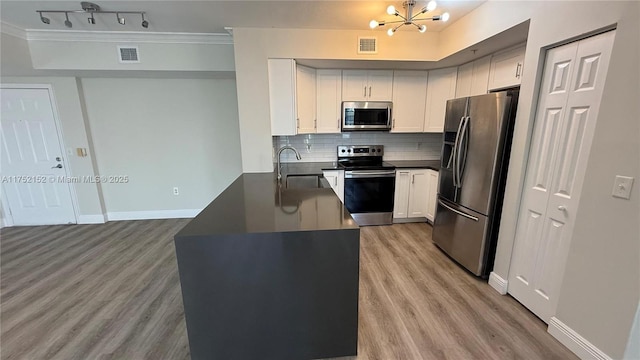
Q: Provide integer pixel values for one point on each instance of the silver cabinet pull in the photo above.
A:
(369, 91)
(518, 70)
(413, 178)
(59, 166)
(365, 91)
(562, 208)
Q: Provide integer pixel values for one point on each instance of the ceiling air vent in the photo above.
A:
(367, 45)
(128, 54)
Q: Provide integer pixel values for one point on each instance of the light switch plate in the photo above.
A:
(622, 187)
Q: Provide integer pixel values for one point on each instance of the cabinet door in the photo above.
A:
(336, 180)
(409, 101)
(380, 85)
(463, 82)
(282, 95)
(401, 197)
(432, 196)
(328, 100)
(480, 77)
(418, 193)
(306, 99)
(506, 69)
(441, 87)
(354, 85)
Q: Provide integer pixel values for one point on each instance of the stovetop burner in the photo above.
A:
(362, 157)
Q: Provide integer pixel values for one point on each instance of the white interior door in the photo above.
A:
(565, 121)
(32, 161)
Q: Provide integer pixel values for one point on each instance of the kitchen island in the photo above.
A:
(269, 272)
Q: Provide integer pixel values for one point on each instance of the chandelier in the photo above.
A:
(409, 18)
(91, 9)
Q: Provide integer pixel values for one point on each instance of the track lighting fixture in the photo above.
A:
(409, 18)
(91, 9)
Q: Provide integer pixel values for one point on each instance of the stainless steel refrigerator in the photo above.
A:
(475, 153)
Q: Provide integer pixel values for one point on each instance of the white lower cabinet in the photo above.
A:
(432, 196)
(336, 180)
(414, 195)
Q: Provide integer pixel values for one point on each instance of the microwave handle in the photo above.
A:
(388, 117)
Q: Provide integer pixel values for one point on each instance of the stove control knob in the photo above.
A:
(349, 150)
(342, 150)
(379, 150)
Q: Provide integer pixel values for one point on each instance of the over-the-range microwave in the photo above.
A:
(366, 115)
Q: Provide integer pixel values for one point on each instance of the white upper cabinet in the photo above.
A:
(306, 99)
(506, 68)
(441, 87)
(409, 101)
(367, 85)
(463, 82)
(282, 96)
(473, 78)
(328, 100)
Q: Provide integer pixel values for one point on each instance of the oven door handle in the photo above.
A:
(368, 174)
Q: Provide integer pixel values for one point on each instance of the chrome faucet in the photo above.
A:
(280, 152)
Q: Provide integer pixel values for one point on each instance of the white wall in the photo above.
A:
(103, 55)
(163, 133)
(15, 58)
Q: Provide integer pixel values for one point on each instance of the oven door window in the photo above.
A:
(369, 195)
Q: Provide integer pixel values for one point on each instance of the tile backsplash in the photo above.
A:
(322, 147)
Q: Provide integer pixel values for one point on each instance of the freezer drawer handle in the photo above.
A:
(458, 212)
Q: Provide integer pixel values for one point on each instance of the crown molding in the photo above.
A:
(12, 30)
(118, 36)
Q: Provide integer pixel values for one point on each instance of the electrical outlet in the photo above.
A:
(175, 191)
(622, 187)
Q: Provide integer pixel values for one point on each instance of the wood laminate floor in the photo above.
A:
(112, 291)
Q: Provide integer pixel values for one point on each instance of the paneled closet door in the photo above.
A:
(568, 105)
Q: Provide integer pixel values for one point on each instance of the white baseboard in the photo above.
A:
(91, 219)
(155, 214)
(498, 283)
(574, 341)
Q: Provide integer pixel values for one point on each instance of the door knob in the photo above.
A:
(562, 208)
(59, 166)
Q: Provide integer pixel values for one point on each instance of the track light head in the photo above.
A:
(44, 19)
(121, 20)
(145, 23)
(67, 23)
(91, 20)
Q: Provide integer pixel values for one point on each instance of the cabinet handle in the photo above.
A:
(365, 91)
(315, 124)
(518, 70)
(335, 181)
(298, 123)
(413, 178)
(369, 91)
(393, 123)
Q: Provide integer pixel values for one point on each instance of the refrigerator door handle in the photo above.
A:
(458, 211)
(455, 152)
(462, 151)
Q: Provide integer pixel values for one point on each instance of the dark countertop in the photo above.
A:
(415, 164)
(254, 203)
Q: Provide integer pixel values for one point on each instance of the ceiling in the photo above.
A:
(213, 16)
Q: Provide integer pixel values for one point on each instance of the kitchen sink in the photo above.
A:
(303, 181)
